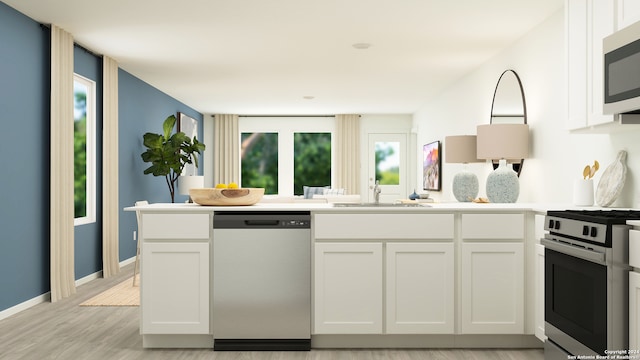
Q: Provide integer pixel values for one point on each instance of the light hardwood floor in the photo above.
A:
(64, 330)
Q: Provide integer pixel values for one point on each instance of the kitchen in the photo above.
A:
(557, 155)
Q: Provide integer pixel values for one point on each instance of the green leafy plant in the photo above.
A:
(169, 153)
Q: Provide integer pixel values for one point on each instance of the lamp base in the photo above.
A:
(503, 185)
(465, 186)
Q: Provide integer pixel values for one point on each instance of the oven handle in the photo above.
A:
(592, 256)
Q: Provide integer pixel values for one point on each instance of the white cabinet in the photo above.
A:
(420, 288)
(175, 273)
(492, 289)
(348, 288)
(634, 310)
(539, 293)
(587, 23)
(628, 12)
(175, 288)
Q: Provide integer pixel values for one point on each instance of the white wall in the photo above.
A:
(557, 156)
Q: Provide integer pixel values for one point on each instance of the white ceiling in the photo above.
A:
(265, 56)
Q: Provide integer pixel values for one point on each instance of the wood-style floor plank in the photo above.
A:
(64, 330)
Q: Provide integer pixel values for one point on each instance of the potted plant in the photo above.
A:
(169, 153)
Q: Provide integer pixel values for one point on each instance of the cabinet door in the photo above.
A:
(348, 288)
(175, 288)
(634, 310)
(628, 12)
(601, 19)
(420, 288)
(492, 291)
(539, 293)
(576, 42)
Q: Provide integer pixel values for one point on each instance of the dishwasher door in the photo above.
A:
(261, 280)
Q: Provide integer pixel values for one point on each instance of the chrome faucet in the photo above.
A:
(376, 192)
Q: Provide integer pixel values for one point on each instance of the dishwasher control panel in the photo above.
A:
(261, 220)
(296, 223)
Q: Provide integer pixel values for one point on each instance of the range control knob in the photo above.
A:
(557, 226)
(585, 230)
(551, 223)
(594, 231)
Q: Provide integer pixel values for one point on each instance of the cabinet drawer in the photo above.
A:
(634, 248)
(492, 226)
(175, 226)
(383, 226)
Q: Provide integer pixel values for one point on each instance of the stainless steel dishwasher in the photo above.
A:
(261, 280)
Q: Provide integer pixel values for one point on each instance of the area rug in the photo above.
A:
(123, 294)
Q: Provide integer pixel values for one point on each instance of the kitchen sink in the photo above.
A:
(376, 205)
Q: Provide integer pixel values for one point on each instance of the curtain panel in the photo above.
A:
(62, 161)
(110, 204)
(348, 152)
(226, 151)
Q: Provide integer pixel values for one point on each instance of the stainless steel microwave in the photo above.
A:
(622, 71)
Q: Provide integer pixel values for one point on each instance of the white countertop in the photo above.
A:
(312, 206)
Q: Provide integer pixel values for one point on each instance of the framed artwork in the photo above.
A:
(431, 165)
(189, 126)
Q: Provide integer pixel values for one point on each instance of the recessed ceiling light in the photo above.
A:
(361, 46)
(308, 97)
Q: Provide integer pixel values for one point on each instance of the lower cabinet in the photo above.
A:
(539, 293)
(420, 288)
(634, 310)
(348, 288)
(492, 288)
(175, 287)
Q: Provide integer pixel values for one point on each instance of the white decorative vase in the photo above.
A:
(465, 186)
(583, 192)
(502, 184)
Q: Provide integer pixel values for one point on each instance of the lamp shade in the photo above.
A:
(460, 149)
(189, 182)
(503, 141)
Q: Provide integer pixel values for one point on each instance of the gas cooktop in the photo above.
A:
(607, 217)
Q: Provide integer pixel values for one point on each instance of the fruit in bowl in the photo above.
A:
(226, 195)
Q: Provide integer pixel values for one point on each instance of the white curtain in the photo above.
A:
(62, 158)
(348, 152)
(110, 205)
(226, 153)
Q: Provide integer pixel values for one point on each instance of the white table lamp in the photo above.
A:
(461, 149)
(506, 143)
(185, 183)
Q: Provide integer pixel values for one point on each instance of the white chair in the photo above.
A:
(138, 218)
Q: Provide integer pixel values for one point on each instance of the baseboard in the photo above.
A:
(25, 305)
(47, 296)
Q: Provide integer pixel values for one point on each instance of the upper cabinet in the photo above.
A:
(587, 23)
(628, 12)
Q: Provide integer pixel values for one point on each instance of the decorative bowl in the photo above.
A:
(226, 197)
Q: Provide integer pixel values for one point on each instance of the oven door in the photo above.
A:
(576, 301)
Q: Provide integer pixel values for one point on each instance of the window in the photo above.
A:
(259, 161)
(84, 116)
(298, 147)
(311, 160)
(388, 163)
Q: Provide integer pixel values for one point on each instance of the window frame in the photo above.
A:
(285, 127)
(90, 213)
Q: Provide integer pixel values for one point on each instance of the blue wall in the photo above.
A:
(24, 185)
(142, 108)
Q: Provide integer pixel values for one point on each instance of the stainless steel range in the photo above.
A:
(586, 282)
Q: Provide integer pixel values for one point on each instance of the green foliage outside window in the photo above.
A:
(80, 151)
(387, 168)
(259, 161)
(312, 160)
